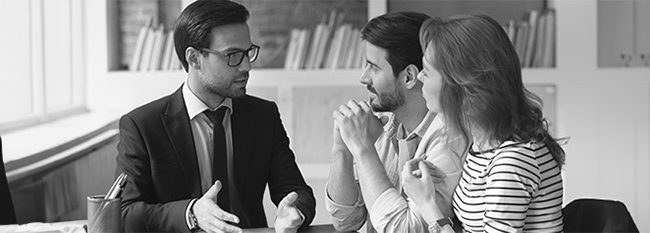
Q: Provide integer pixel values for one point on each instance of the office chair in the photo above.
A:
(7, 214)
(597, 215)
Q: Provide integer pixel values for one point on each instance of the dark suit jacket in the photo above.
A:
(156, 150)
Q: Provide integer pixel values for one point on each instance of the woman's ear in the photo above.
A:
(411, 76)
(192, 56)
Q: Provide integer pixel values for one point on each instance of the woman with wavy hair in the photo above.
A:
(511, 179)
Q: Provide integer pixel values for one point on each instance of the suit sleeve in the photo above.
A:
(141, 211)
(285, 175)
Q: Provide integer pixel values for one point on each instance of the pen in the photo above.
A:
(114, 192)
(117, 187)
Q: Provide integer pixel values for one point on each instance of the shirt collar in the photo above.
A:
(398, 129)
(195, 106)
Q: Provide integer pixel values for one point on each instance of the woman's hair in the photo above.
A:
(482, 87)
(194, 25)
(397, 33)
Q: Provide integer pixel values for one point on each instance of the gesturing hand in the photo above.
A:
(421, 189)
(436, 174)
(210, 216)
(288, 218)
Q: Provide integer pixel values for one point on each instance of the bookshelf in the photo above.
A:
(604, 110)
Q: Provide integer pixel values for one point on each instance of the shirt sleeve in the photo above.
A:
(448, 156)
(392, 213)
(345, 217)
(512, 180)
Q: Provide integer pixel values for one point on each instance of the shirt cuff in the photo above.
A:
(302, 217)
(337, 209)
(188, 220)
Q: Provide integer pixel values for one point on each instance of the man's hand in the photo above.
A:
(288, 218)
(210, 216)
(357, 124)
(338, 146)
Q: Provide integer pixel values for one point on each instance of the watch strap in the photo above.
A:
(445, 221)
(437, 226)
(194, 223)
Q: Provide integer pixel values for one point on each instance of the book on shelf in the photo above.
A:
(331, 44)
(520, 40)
(301, 53)
(534, 38)
(154, 50)
(294, 38)
(158, 46)
(538, 55)
(352, 49)
(549, 41)
(529, 52)
(511, 30)
(147, 50)
(137, 52)
(319, 34)
(165, 62)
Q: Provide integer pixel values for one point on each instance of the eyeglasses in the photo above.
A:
(235, 58)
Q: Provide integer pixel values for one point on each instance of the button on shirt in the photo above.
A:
(202, 132)
(393, 211)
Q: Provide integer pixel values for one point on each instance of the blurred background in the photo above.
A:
(71, 68)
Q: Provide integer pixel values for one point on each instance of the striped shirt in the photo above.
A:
(513, 188)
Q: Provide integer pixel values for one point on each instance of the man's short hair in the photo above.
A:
(398, 34)
(194, 25)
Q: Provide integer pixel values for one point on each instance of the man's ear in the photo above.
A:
(411, 76)
(192, 56)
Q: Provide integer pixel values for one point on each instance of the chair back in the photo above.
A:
(7, 213)
(597, 215)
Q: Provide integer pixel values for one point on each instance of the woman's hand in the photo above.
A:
(419, 183)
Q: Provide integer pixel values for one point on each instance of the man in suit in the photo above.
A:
(187, 173)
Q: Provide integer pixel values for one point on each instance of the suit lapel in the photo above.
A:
(242, 132)
(179, 130)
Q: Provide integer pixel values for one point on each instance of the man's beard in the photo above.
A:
(388, 101)
(228, 91)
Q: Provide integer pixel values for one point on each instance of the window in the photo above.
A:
(42, 61)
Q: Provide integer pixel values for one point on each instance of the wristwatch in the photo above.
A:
(194, 224)
(439, 224)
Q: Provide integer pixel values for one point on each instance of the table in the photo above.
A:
(326, 228)
(78, 227)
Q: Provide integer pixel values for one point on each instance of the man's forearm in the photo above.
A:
(341, 185)
(162, 217)
(372, 175)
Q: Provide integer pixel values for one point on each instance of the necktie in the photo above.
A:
(220, 159)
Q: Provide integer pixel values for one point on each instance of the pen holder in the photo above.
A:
(104, 215)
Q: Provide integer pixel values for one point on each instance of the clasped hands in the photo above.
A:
(356, 127)
(211, 218)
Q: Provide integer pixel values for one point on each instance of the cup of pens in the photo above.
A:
(104, 214)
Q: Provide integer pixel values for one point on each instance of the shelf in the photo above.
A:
(278, 77)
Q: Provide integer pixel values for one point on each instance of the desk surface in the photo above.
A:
(77, 227)
(312, 229)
